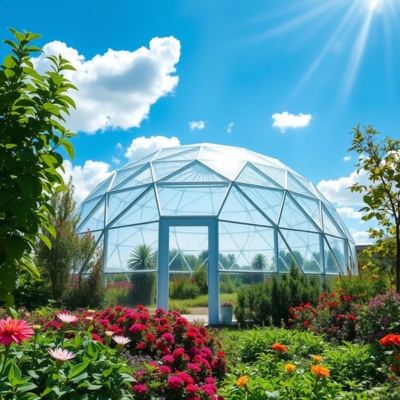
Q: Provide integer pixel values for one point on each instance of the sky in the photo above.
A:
(285, 78)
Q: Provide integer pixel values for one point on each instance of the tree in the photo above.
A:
(69, 253)
(32, 110)
(259, 263)
(142, 258)
(381, 162)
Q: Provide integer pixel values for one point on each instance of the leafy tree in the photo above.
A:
(259, 263)
(381, 162)
(32, 110)
(69, 253)
(142, 258)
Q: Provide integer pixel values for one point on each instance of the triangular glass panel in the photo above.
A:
(238, 209)
(181, 155)
(142, 177)
(285, 257)
(278, 175)
(177, 262)
(253, 176)
(123, 174)
(267, 200)
(222, 163)
(196, 172)
(228, 151)
(241, 243)
(295, 186)
(139, 162)
(101, 189)
(306, 183)
(144, 210)
(120, 201)
(305, 247)
(311, 207)
(333, 213)
(184, 199)
(338, 248)
(294, 218)
(85, 209)
(95, 220)
(330, 225)
(260, 159)
(331, 265)
(121, 242)
(165, 168)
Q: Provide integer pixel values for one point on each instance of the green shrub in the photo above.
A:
(182, 288)
(226, 284)
(271, 300)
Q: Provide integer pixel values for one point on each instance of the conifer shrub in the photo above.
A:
(268, 303)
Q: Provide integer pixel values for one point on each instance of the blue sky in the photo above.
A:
(285, 78)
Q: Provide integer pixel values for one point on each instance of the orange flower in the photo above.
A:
(14, 331)
(316, 359)
(320, 371)
(392, 377)
(390, 339)
(394, 368)
(279, 347)
(242, 381)
(289, 368)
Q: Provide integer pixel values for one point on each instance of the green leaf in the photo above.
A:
(78, 369)
(9, 61)
(14, 374)
(45, 240)
(26, 387)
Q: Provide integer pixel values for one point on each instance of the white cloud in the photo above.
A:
(336, 190)
(347, 158)
(86, 178)
(361, 237)
(229, 128)
(116, 160)
(119, 146)
(117, 88)
(286, 120)
(349, 212)
(197, 125)
(143, 146)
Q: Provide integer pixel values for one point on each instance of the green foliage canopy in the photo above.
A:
(32, 110)
(381, 162)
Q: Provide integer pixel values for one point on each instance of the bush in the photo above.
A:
(270, 301)
(118, 293)
(183, 288)
(380, 317)
(85, 293)
(143, 288)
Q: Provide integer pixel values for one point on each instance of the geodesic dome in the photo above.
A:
(261, 206)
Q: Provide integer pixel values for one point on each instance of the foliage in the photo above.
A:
(259, 263)
(380, 260)
(381, 162)
(32, 292)
(182, 287)
(270, 301)
(118, 293)
(85, 293)
(142, 258)
(32, 110)
(69, 252)
(95, 371)
(380, 317)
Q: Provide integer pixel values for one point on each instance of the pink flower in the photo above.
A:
(140, 388)
(14, 331)
(164, 369)
(192, 388)
(168, 338)
(194, 367)
(209, 389)
(174, 382)
(121, 340)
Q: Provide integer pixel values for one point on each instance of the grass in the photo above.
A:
(184, 306)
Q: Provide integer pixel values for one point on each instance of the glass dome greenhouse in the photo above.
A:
(233, 212)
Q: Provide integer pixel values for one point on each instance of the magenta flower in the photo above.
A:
(140, 388)
(14, 331)
(175, 382)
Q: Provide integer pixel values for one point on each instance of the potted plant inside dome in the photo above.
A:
(226, 312)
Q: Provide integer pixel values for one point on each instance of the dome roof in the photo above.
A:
(231, 184)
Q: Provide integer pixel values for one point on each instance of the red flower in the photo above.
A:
(279, 347)
(140, 388)
(97, 338)
(351, 317)
(390, 339)
(175, 382)
(14, 331)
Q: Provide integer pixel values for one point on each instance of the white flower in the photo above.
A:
(66, 318)
(121, 340)
(61, 354)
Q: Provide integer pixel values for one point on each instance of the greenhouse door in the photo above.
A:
(185, 246)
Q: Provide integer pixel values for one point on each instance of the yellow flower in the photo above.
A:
(36, 327)
(320, 371)
(316, 359)
(242, 381)
(289, 368)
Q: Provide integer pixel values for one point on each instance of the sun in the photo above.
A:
(373, 4)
